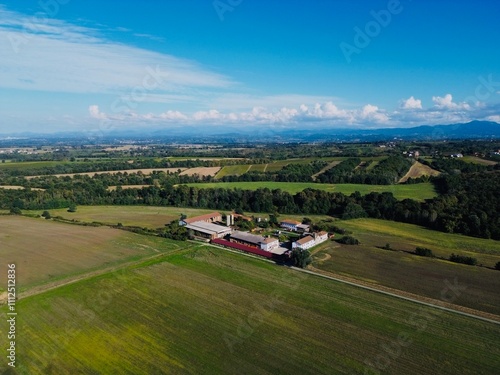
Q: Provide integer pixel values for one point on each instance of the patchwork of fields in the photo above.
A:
(204, 310)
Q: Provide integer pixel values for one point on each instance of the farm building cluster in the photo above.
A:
(212, 227)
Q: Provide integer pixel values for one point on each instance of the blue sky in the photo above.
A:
(77, 65)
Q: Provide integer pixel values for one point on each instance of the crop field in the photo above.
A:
(418, 170)
(205, 310)
(477, 160)
(258, 167)
(31, 164)
(419, 275)
(202, 171)
(233, 170)
(141, 216)
(416, 191)
(46, 251)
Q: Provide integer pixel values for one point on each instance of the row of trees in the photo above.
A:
(468, 204)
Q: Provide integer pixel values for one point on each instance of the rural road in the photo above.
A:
(398, 296)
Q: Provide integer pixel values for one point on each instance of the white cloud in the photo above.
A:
(96, 113)
(45, 54)
(446, 102)
(495, 118)
(411, 103)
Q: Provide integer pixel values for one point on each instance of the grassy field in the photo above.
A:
(233, 170)
(141, 216)
(418, 170)
(416, 191)
(258, 168)
(204, 310)
(476, 160)
(32, 164)
(45, 251)
(423, 276)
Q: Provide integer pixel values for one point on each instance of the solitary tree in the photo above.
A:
(46, 214)
(301, 258)
(72, 207)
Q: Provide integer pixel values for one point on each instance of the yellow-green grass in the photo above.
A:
(45, 251)
(402, 270)
(418, 170)
(441, 243)
(414, 191)
(233, 170)
(32, 164)
(258, 167)
(141, 216)
(372, 165)
(477, 160)
(212, 312)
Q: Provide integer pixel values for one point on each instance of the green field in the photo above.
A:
(32, 164)
(46, 251)
(477, 160)
(233, 170)
(204, 310)
(258, 167)
(416, 191)
(407, 272)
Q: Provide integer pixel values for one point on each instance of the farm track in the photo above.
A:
(396, 293)
(438, 304)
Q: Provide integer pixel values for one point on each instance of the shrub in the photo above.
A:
(497, 266)
(463, 259)
(424, 252)
(15, 211)
(348, 240)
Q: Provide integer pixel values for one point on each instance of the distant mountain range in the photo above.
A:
(266, 134)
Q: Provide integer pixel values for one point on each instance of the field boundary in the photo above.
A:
(421, 300)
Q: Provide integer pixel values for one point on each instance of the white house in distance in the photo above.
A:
(309, 241)
(289, 224)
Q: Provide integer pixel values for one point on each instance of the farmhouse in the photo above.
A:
(252, 240)
(208, 230)
(289, 224)
(213, 217)
(309, 241)
(304, 243)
